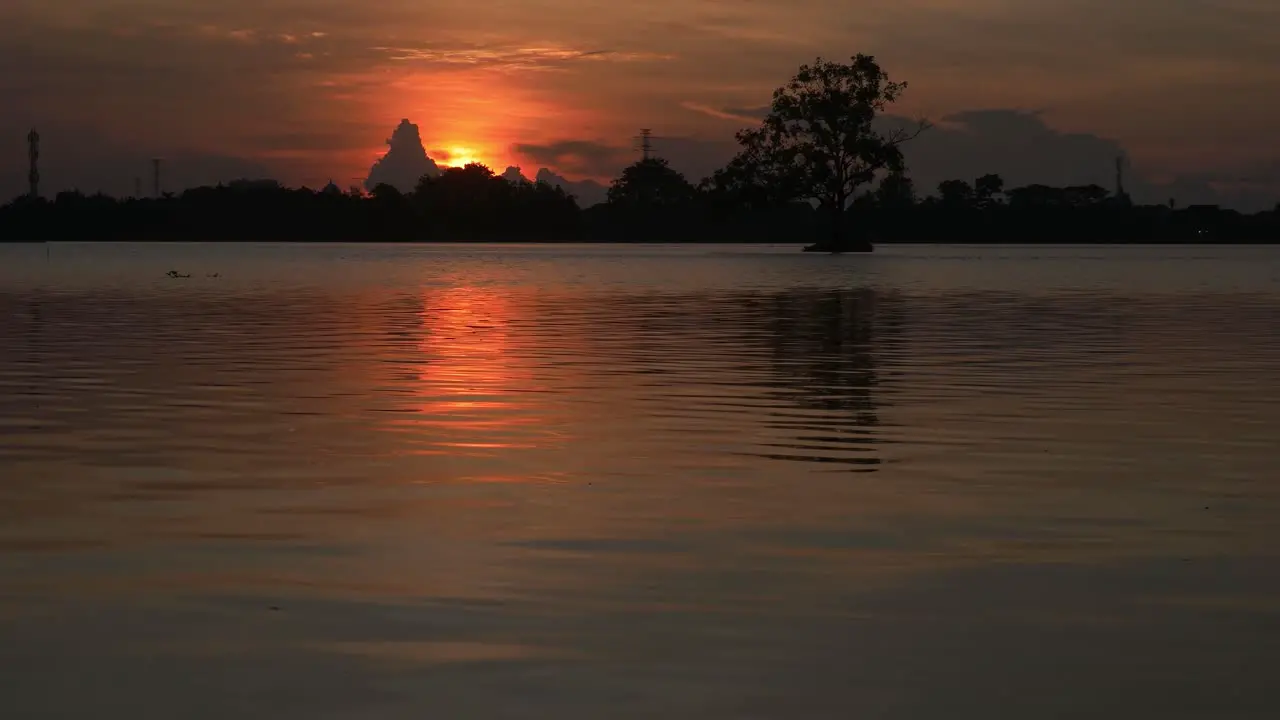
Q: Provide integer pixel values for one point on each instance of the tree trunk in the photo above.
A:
(841, 240)
(837, 242)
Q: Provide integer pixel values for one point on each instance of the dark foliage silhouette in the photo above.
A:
(824, 159)
(651, 184)
(651, 202)
(987, 190)
(649, 205)
(468, 203)
(472, 203)
(820, 142)
(982, 211)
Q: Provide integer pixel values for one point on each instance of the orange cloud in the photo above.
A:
(512, 58)
(744, 116)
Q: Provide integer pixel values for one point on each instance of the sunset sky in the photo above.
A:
(308, 90)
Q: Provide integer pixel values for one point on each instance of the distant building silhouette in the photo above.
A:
(405, 163)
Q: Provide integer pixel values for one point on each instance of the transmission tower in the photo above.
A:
(644, 142)
(33, 150)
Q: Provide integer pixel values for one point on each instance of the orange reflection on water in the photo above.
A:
(473, 390)
(549, 478)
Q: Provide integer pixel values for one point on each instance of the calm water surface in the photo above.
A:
(639, 482)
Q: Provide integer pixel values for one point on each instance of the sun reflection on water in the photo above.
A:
(472, 390)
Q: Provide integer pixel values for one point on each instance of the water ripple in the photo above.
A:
(664, 460)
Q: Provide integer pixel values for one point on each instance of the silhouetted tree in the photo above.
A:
(650, 200)
(472, 202)
(1035, 196)
(651, 183)
(1086, 195)
(825, 345)
(896, 191)
(384, 193)
(818, 142)
(955, 194)
(750, 180)
(987, 189)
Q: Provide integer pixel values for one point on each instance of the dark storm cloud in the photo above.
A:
(696, 158)
(1023, 149)
(576, 157)
(1018, 145)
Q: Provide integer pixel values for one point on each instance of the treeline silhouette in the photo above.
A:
(816, 169)
(460, 204)
(983, 211)
(649, 202)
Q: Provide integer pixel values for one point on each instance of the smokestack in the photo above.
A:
(155, 166)
(33, 150)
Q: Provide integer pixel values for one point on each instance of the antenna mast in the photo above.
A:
(644, 143)
(33, 151)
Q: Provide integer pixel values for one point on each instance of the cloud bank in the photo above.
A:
(405, 163)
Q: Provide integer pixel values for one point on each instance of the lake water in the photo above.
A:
(639, 482)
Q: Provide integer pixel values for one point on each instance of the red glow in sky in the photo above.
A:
(308, 90)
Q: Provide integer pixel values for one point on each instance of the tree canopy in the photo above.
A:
(820, 140)
(651, 183)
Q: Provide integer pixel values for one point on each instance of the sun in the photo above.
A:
(460, 155)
